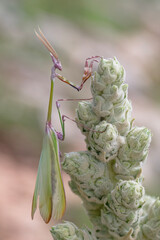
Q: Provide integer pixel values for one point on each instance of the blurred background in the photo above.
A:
(126, 29)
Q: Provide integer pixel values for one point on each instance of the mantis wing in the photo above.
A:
(59, 200)
(49, 185)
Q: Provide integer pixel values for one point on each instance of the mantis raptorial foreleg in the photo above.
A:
(57, 64)
(86, 75)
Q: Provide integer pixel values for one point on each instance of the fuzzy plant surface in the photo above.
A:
(107, 176)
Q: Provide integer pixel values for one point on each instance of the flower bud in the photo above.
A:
(63, 231)
(86, 118)
(111, 70)
(90, 177)
(69, 231)
(150, 226)
(137, 144)
(109, 74)
(104, 141)
(121, 210)
(132, 153)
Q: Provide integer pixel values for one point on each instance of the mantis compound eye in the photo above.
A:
(56, 62)
(58, 65)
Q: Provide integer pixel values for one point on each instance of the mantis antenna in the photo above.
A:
(44, 40)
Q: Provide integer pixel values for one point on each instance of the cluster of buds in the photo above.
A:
(107, 177)
(109, 92)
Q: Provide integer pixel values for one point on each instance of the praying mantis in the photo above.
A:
(49, 185)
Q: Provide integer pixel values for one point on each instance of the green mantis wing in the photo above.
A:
(59, 201)
(49, 185)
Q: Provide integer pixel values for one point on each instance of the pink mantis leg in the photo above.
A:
(88, 67)
(61, 135)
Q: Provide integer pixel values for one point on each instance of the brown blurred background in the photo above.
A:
(126, 29)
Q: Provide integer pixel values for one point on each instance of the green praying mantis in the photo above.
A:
(49, 185)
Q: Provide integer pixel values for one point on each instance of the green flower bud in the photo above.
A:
(127, 195)
(102, 107)
(68, 231)
(115, 94)
(108, 79)
(104, 141)
(132, 153)
(109, 91)
(120, 116)
(63, 231)
(97, 85)
(126, 170)
(111, 71)
(121, 210)
(148, 203)
(137, 144)
(150, 225)
(86, 118)
(90, 178)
